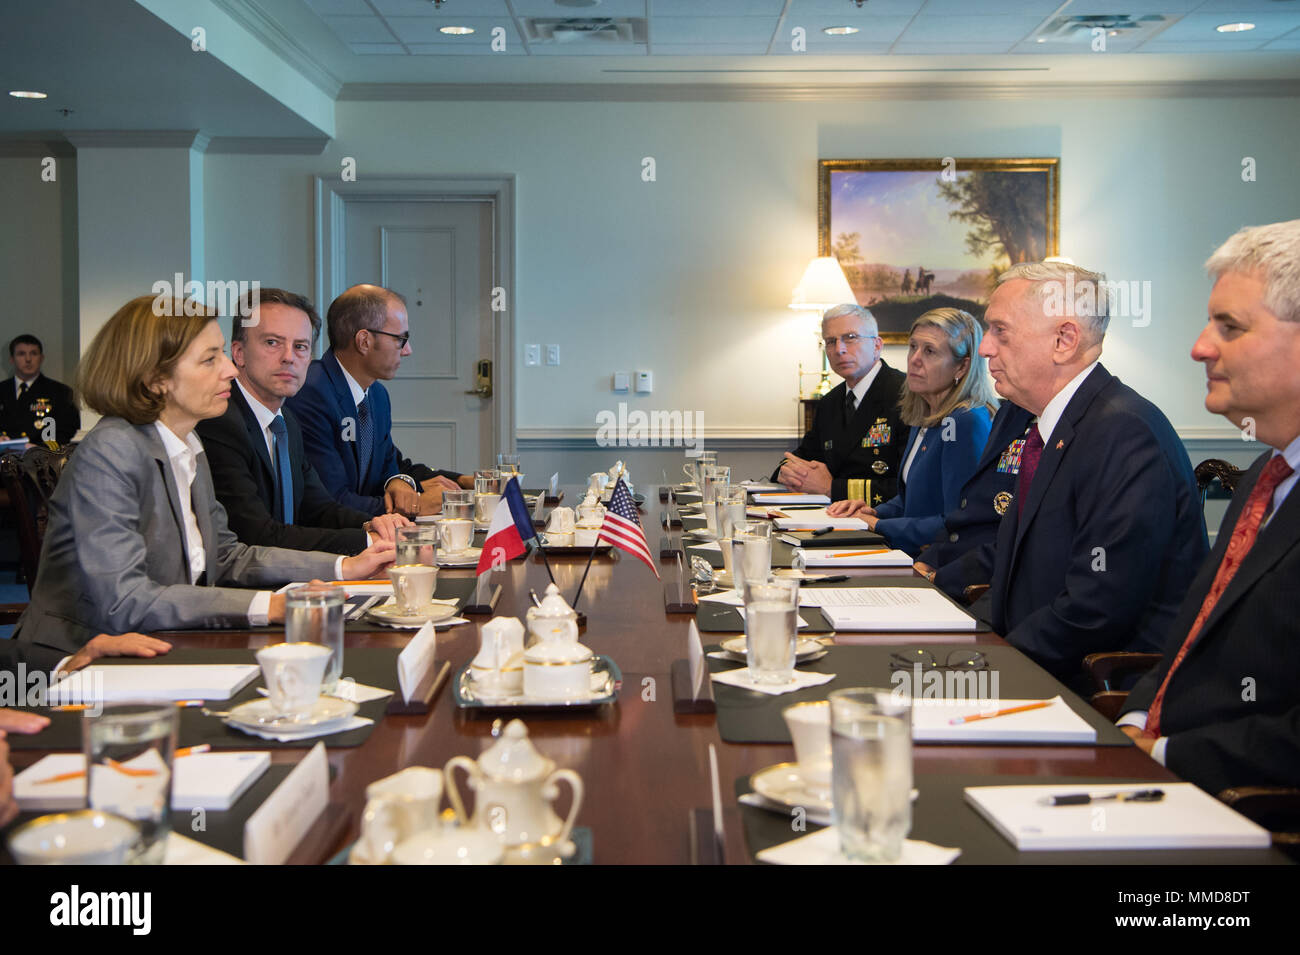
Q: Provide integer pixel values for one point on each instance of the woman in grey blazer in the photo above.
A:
(136, 539)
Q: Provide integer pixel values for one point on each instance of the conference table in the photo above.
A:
(646, 770)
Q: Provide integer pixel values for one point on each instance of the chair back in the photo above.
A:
(29, 478)
(1216, 469)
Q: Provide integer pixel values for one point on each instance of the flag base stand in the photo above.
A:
(684, 698)
(667, 549)
(485, 609)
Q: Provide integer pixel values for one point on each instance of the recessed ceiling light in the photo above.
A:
(839, 31)
(456, 31)
(27, 94)
(1235, 27)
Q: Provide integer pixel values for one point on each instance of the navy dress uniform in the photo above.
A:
(24, 415)
(862, 451)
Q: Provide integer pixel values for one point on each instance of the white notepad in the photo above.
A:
(855, 557)
(154, 681)
(887, 608)
(213, 781)
(817, 518)
(357, 588)
(1057, 723)
(1187, 818)
(792, 497)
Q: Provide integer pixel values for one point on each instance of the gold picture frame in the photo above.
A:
(956, 223)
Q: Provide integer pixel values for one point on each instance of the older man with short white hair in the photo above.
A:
(1223, 707)
(853, 448)
(1105, 530)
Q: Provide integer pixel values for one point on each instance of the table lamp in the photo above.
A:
(823, 285)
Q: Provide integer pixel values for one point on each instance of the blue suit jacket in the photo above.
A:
(1110, 537)
(324, 408)
(910, 519)
(962, 552)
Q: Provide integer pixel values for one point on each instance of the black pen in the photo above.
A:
(824, 530)
(835, 579)
(1083, 799)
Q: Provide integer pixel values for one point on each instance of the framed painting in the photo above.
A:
(917, 234)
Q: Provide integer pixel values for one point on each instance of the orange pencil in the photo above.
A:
(860, 553)
(126, 770)
(957, 720)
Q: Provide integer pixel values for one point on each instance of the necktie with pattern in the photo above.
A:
(1029, 456)
(365, 443)
(283, 471)
(1239, 545)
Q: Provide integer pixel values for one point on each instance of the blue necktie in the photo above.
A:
(365, 443)
(283, 470)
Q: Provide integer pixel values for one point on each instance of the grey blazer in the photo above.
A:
(114, 553)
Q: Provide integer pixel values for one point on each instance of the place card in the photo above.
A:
(276, 827)
(692, 692)
(415, 662)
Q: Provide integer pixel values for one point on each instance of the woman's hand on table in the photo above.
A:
(850, 509)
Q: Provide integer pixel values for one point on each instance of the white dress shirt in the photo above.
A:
(862, 387)
(184, 456)
(1138, 718)
(911, 455)
(18, 383)
(1056, 407)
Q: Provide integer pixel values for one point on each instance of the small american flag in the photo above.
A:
(622, 527)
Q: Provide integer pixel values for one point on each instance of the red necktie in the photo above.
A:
(1032, 451)
(1239, 545)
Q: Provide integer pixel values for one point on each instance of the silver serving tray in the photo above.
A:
(466, 698)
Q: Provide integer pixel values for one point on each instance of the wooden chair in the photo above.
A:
(29, 479)
(1216, 469)
(1276, 808)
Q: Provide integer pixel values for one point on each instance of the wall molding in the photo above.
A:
(268, 145)
(282, 43)
(138, 139)
(808, 92)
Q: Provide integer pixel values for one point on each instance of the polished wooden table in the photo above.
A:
(645, 769)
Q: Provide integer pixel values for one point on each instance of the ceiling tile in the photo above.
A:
(872, 30)
(423, 30)
(709, 49)
(340, 8)
(377, 49)
(942, 49)
(359, 29)
(1243, 6)
(1200, 46)
(1200, 26)
(1023, 8)
(607, 8)
(846, 11)
(1133, 8)
(705, 29)
(450, 49)
(570, 49)
(453, 8)
(716, 8)
(968, 29)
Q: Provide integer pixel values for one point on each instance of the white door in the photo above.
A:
(438, 255)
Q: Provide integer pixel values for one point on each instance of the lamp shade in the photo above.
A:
(823, 285)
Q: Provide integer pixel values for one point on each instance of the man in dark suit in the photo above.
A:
(346, 415)
(962, 553)
(1223, 707)
(33, 406)
(1106, 529)
(852, 450)
(257, 441)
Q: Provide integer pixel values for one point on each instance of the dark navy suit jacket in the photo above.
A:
(962, 552)
(910, 519)
(1110, 537)
(1232, 710)
(325, 409)
(244, 479)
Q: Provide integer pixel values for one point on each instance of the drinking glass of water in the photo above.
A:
(752, 552)
(871, 772)
(313, 613)
(771, 625)
(730, 499)
(129, 749)
(487, 490)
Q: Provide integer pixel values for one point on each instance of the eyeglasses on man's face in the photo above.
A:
(849, 340)
(401, 339)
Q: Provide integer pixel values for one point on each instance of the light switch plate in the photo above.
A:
(552, 354)
(622, 381)
(532, 354)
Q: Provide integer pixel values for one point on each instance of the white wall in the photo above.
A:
(38, 222)
(688, 276)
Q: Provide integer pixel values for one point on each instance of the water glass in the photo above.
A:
(487, 491)
(508, 466)
(771, 628)
(313, 613)
(751, 552)
(129, 749)
(871, 772)
(730, 501)
(417, 545)
(457, 526)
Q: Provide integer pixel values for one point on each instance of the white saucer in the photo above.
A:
(805, 649)
(395, 616)
(258, 715)
(786, 785)
(466, 558)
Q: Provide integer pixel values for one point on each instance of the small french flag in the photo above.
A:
(511, 526)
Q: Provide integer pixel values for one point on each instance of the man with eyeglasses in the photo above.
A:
(857, 435)
(346, 414)
(260, 472)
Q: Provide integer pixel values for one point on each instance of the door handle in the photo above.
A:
(482, 379)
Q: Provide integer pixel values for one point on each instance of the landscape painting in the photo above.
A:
(917, 234)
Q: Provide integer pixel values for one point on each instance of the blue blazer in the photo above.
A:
(1110, 537)
(913, 517)
(321, 406)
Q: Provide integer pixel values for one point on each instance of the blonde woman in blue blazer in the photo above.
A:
(949, 402)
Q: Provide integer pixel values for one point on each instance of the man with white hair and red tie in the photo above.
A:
(1223, 707)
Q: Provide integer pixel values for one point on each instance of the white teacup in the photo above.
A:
(499, 663)
(85, 837)
(810, 729)
(293, 673)
(413, 585)
(457, 534)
